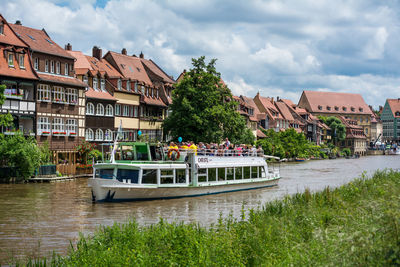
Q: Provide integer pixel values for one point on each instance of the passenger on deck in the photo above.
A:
(220, 151)
(193, 147)
(260, 151)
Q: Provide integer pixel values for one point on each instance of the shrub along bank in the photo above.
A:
(356, 224)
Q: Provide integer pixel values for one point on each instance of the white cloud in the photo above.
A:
(375, 48)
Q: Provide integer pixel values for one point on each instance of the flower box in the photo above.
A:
(15, 96)
(59, 133)
(73, 102)
(72, 134)
(45, 133)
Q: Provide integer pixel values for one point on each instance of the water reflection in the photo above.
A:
(38, 218)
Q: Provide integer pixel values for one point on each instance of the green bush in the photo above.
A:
(346, 152)
(21, 153)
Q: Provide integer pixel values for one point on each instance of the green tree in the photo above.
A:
(203, 110)
(21, 153)
(338, 130)
(5, 119)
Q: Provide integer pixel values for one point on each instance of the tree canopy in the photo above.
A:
(338, 130)
(5, 119)
(203, 109)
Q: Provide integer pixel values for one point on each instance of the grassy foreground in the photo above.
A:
(357, 224)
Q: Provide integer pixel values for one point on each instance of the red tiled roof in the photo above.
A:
(320, 101)
(152, 101)
(9, 36)
(67, 80)
(41, 42)
(394, 106)
(249, 103)
(267, 103)
(91, 93)
(284, 110)
(260, 134)
(157, 70)
(131, 67)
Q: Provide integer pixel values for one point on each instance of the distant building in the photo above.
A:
(350, 106)
(391, 120)
(274, 119)
(376, 127)
(355, 137)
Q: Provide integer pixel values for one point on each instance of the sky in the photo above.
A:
(276, 48)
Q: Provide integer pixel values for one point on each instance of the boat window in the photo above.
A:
(104, 173)
(246, 172)
(262, 172)
(221, 174)
(128, 176)
(149, 177)
(254, 172)
(156, 152)
(180, 176)
(238, 173)
(127, 155)
(167, 176)
(229, 173)
(202, 175)
(212, 174)
(141, 152)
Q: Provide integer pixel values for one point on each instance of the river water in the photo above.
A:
(36, 219)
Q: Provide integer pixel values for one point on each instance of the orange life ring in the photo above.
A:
(171, 152)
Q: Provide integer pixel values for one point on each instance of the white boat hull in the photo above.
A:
(112, 190)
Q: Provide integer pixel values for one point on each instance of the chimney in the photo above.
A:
(18, 22)
(134, 55)
(141, 55)
(96, 52)
(184, 70)
(68, 47)
(272, 100)
(123, 51)
(277, 99)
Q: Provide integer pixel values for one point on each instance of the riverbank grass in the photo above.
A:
(357, 224)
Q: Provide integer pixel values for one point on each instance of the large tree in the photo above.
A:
(6, 119)
(203, 110)
(338, 130)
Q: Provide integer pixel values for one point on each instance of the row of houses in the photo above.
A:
(62, 97)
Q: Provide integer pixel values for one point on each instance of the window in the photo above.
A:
(99, 135)
(117, 109)
(336, 108)
(43, 126)
(109, 110)
(103, 85)
(251, 111)
(366, 130)
(58, 67)
(44, 92)
(328, 108)
(66, 71)
(95, 86)
(36, 64)
(89, 109)
(58, 94)
(72, 96)
(135, 111)
(1, 28)
(152, 92)
(22, 61)
(147, 92)
(85, 79)
(157, 93)
(58, 126)
(352, 109)
(344, 109)
(109, 135)
(89, 135)
(125, 110)
(10, 59)
(360, 109)
(320, 107)
(100, 109)
(361, 120)
(71, 127)
(119, 84)
(128, 85)
(136, 87)
(51, 66)
(46, 65)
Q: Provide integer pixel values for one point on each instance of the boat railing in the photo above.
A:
(218, 152)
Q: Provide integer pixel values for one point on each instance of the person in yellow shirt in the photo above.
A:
(172, 145)
(193, 147)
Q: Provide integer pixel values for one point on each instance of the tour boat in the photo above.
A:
(141, 171)
(394, 151)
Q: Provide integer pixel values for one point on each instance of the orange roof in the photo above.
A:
(249, 103)
(284, 110)
(154, 101)
(267, 103)
(39, 41)
(67, 80)
(91, 93)
(150, 64)
(332, 102)
(260, 134)
(394, 106)
(129, 66)
(9, 36)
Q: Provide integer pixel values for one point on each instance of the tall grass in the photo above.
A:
(357, 224)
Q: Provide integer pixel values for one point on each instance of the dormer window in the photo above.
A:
(344, 108)
(320, 107)
(397, 113)
(46, 65)
(119, 85)
(52, 66)
(95, 83)
(336, 108)
(103, 85)
(136, 87)
(36, 64)
(152, 92)
(128, 85)
(21, 61)
(85, 79)
(157, 93)
(328, 107)
(58, 67)
(10, 59)
(360, 109)
(66, 71)
(352, 109)
(1, 28)
(251, 111)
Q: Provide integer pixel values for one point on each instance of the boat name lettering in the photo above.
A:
(204, 160)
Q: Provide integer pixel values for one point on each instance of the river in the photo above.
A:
(39, 218)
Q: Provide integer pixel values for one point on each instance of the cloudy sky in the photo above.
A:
(277, 48)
